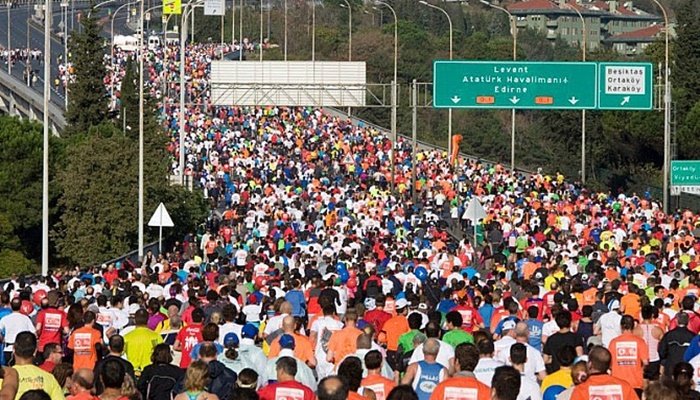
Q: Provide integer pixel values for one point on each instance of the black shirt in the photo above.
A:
(555, 343)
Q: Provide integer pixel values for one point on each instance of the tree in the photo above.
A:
(87, 102)
(686, 76)
(20, 180)
(129, 97)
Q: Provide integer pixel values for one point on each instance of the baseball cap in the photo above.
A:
(614, 305)
(370, 304)
(287, 342)
(401, 303)
(231, 340)
(249, 331)
(508, 325)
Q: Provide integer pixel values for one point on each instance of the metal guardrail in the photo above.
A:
(421, 144)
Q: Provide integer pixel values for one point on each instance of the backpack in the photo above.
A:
(161, 387)
(373, 290)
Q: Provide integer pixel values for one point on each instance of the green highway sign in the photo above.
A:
(625, 86)
(685, 176)
(514, 84)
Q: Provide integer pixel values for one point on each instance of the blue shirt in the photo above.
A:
(486, 312)
(534, 328)
(296, 297)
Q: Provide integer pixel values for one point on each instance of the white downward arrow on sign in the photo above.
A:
(514, 100)
(573, 100)
(455, 99)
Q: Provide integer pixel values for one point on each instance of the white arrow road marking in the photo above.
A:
(573, 100)
(625, 100)
(514, 100)
(455, 99)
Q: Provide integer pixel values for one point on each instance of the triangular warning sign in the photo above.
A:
(475, 211)
(161, 217)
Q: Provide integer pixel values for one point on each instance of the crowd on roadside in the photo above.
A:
(313, 279)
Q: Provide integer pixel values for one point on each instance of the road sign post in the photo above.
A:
(685, 176)
(514, 85)
(625, 86)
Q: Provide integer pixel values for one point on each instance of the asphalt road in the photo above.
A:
(26, 31)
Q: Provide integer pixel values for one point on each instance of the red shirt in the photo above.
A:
(52, 321)
(286, 390)
(188, 337)
(471, 318)
(377, 318)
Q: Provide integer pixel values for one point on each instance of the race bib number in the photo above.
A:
(378, 390)
(52, 321)
(289, 394)
(457, 393)
(82, 343)
(626, 353)
(606, 392)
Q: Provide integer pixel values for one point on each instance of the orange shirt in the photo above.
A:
(589, 296)
(461, 388)
(343, 342)
(394, 328)
(629, 352)
(302, 348)
(380, 385)
(630, 304)
(82, 341)
(603, 386)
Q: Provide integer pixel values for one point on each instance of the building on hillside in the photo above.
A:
(610, 24)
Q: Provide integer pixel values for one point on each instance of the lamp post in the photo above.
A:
(111, 61)
(667, 109)
(45, 157)
(64, 6)
(187, 8)
(514, 32)
(394, 134)
(583, 112)
(449, 110)
(285, 30)
(9, 42)
(261, 30)
(313, 33)
(240, 33)
(347, 5)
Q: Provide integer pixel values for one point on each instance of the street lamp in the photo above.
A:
(112, 48)
(45, 157)
(394, 133)
(514, 32)
(347, 5)
(9, 42)
(583, 112)
(667, 108)
(64, 6)
(449, 110)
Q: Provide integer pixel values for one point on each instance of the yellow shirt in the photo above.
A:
(139, 345)
(32, 377)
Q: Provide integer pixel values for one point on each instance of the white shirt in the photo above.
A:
(324, 328)
(550, 328)
(502, 348)
(227, 328)
(609, 326)
(529, 389)
(485, 369)
(12, 325)
(304, 374)
(274, 324)
(444, 355)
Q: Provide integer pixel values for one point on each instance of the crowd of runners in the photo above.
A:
(313, 279)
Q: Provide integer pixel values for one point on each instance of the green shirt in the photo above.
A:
(406, 340)
(457, 336)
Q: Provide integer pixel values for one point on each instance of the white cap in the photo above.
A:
(614, 305)
(401, 303)
(508, 325)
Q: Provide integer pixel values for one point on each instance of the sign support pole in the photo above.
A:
(414, 139)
